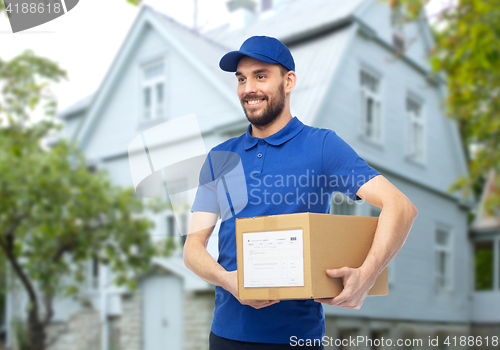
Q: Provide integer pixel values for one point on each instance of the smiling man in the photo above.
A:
(276, 152)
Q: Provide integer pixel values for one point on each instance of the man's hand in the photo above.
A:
(231, 285)
(357, 283)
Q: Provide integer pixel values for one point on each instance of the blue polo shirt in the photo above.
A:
(292, 171)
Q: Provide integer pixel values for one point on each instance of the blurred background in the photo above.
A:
(413, 86)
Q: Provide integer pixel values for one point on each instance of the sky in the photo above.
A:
(85, 41)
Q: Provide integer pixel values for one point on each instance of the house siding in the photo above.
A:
(424, 184)
(341, 112)
(413, 286)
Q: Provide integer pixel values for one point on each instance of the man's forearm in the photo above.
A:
(395, 222)
(198, 260)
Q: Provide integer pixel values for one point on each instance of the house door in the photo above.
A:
(163, 312)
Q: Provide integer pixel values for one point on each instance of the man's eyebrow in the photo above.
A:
(257, 71)
(262, 70)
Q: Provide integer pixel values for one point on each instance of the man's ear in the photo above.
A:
(291, 80)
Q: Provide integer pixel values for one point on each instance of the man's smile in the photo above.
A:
(254, 103)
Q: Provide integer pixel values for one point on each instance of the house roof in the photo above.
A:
(316, 64)
(484, 222)
(78, 107)
(316, 60)
(208, 49)
(176, 266)
(297, 20)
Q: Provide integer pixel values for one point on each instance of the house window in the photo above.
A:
(375, 212)
(415, 138)
(410, 340)
(179, 201)
(375, 342)
(370, 106)
(443, 259)
(173, 226)
(184, 227)
(341, 204)
(94, 273)
(153, 91)
(397, 24)
(483, 265)
(172, 230)
(345, 335)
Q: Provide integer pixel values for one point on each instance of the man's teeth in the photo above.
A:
(254, 102)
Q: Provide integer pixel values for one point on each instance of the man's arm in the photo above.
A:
(394, 224)
(195, 254)
(198, 260)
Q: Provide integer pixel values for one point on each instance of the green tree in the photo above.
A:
(55, 214)
(467, 51)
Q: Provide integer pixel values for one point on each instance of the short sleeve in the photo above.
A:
(346, 171)
(206, 194)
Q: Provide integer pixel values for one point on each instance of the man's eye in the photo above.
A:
(260, 77)
(241, 79)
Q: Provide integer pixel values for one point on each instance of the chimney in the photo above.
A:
(241, 12)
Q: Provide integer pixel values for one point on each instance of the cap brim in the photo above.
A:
(229, 62)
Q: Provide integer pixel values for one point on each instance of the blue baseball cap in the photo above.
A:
(262, 48)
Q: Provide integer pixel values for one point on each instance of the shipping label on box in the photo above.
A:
(273, 259)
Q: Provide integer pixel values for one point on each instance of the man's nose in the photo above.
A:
(250, 87)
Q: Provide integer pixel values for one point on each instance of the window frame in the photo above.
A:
(345, 199)
(391, 273)
(411, 121)
(152, 84)
(377, 97)
(397, 28)
(447, 288)
(176, 236)
(170, 213)
(495, 239)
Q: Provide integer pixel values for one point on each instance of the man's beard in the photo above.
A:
(271, 112)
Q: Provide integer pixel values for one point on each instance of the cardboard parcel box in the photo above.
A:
(286, 256)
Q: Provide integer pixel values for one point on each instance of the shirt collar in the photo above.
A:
(292, 128)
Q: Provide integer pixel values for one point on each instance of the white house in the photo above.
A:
(360, 73)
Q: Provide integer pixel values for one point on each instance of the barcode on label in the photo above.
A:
(293, 238)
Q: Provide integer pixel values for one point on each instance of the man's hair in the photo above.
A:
(283, 69)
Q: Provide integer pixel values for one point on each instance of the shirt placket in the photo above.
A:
(261, 154)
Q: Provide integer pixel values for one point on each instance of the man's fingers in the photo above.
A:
(344, 296)
(323, 300)
(336, 273)
(259, 304)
